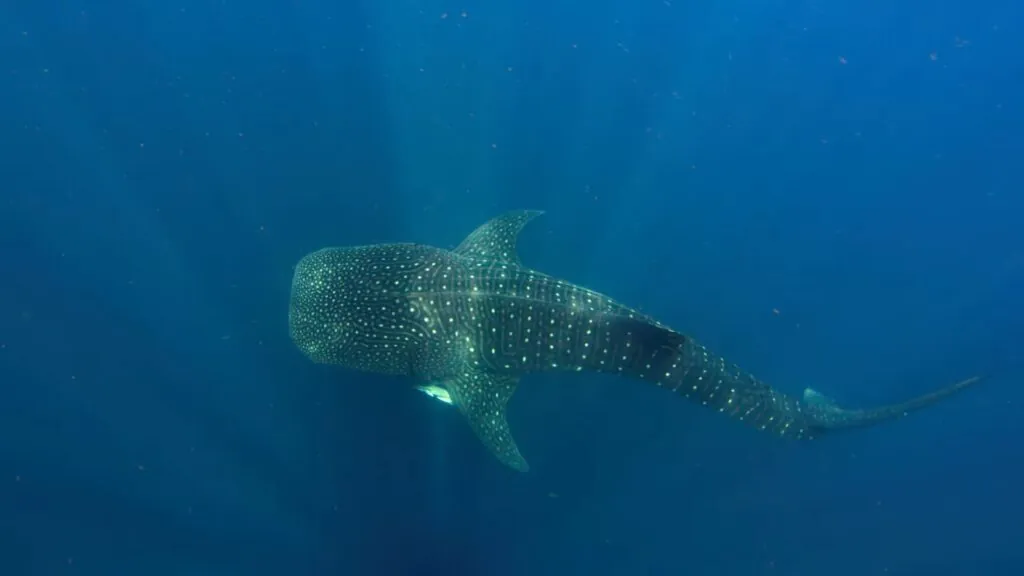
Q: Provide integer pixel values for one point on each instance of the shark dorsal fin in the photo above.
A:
(495, 240)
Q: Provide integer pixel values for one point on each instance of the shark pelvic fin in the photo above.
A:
(482, 398)
(495, 240)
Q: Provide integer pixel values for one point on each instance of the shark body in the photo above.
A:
(467, 323)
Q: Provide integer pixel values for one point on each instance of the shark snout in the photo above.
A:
(319, 313)
(310, 284)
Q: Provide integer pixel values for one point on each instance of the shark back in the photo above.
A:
(524, 335)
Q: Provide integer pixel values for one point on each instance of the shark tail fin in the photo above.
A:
(679, 363)
(828, 415)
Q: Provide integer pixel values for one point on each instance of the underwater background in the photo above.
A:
(829, 194)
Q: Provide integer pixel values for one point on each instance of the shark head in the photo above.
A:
(320, 319)
(350, 306)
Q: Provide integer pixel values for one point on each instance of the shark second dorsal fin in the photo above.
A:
(495, 240)
(482, 398)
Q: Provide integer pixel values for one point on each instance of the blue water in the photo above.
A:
(827, 193)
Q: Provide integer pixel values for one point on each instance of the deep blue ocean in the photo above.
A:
(829, 194)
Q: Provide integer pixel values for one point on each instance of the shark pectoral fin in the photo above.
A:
(483, 398)
(495, 240)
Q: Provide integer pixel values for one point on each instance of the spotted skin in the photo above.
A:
(474, 320)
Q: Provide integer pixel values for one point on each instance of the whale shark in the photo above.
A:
(467, 324)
